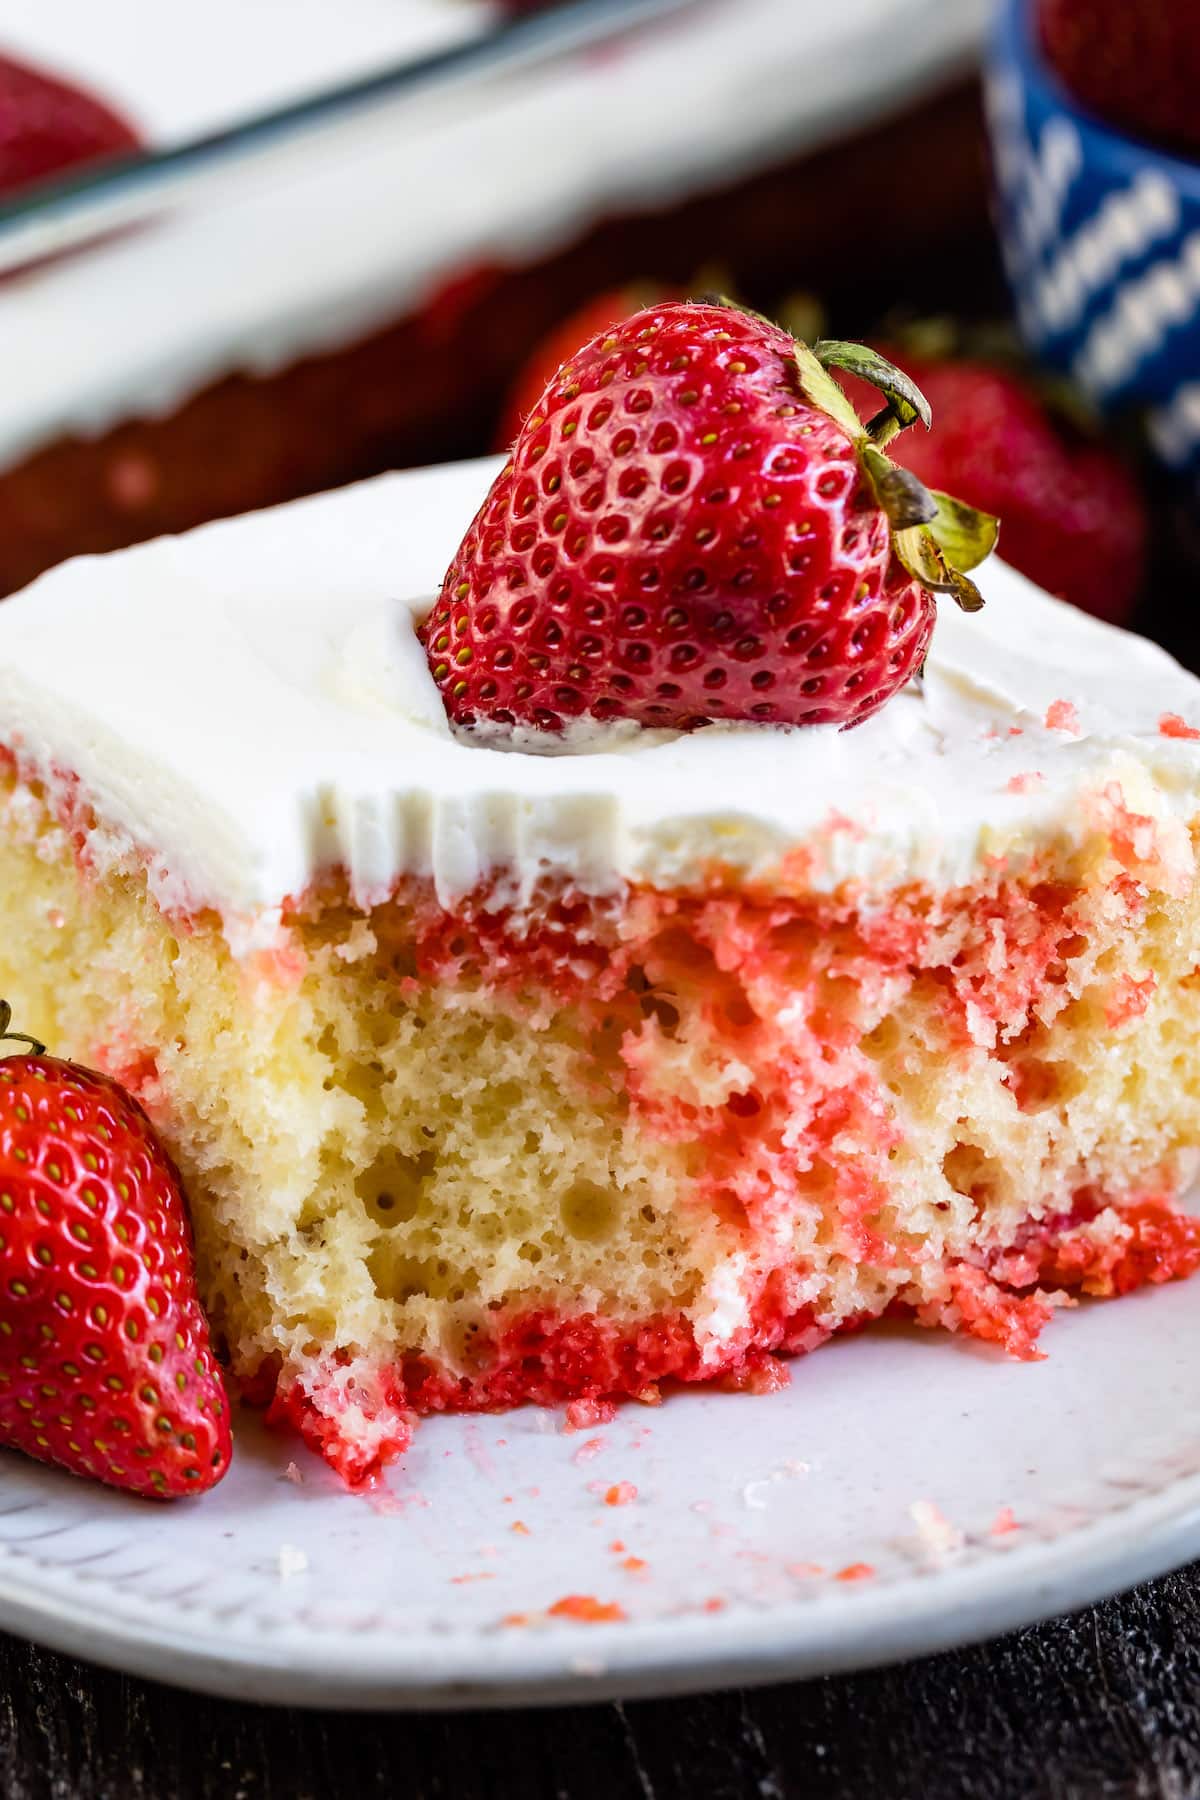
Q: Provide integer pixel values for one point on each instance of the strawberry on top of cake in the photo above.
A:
(695, 525)
(560, 1055)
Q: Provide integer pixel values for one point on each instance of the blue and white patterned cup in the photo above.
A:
(1101, 240)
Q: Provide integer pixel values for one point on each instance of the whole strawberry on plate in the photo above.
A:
(47, 126)
(695, 525)
(105, 1360)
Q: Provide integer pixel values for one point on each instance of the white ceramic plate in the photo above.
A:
(286, 1588)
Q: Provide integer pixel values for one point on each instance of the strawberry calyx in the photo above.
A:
(935, 537)
(905, 403)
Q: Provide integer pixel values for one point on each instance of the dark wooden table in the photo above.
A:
(1103, 1704)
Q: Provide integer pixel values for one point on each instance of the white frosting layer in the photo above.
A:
(251, 705)
(131, 329)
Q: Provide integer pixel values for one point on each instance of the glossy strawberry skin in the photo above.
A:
(594, 318)
(678, 538)
(47, 126)
(105, 1361)
(1136, 65)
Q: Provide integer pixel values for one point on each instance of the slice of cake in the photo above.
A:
(499, 1077)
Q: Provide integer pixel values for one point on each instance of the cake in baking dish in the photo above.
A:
(377, 317)
(499, 1077)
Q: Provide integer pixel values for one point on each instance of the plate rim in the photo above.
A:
(943, 1606)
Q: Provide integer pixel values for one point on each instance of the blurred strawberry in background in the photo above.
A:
(1134, 62)
(47, 126)
(1072, 514)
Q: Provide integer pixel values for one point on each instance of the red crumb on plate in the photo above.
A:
(587, 1610)
(621, 1493)
(714, 1604)
(855, 1572)
(476, 1575)
(1061, 715)
(635, 1564)
(1027, 783)
(1171, 725)
(585, 1452)
(520, 1527)
(1004, 1522)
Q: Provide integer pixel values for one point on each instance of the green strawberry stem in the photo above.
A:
(905, 401)
(17, 1037)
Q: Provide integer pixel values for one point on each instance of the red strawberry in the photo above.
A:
(1136, 64)
(694, 525)
(1074, 518)
(560, 343)
(105, 1362)
(47, 126)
